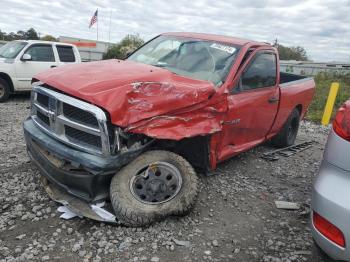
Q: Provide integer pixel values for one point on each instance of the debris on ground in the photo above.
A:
(287, 151)
(66, 212)
(287, 205)
(182, 242)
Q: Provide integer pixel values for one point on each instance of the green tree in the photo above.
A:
(49, 38)
(31, 34)
(20, 35)
(127, 45)
(291, 53)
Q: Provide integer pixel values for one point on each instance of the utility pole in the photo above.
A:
(109, 33)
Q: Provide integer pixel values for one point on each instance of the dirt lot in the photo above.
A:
(235, 218)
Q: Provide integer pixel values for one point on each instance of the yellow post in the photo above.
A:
(330, 103)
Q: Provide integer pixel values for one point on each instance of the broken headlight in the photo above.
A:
(124, 141)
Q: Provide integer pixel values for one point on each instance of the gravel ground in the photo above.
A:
(235, 218)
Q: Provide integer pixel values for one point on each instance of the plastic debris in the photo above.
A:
(181, 242)
(107, 216)
(287, 205)
(67, 213)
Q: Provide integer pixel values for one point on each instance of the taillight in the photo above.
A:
(329, 230)
(341, 123)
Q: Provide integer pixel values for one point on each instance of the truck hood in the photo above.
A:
(6, 62)
(127, 90)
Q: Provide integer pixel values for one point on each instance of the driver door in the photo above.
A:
(253, 106)
(43, 58)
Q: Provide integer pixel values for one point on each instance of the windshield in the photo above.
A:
(11, 50)
(194, 58)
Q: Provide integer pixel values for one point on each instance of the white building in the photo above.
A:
(312, 68)
(90, 50)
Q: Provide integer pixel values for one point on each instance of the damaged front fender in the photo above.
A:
(200, 119)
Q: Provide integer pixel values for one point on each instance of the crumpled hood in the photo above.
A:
(127, 90)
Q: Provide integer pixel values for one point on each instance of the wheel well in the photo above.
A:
(195, 150)
(8, 80)
(299, 108)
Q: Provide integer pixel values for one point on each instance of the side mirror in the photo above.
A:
(26, 57)
(237, 88)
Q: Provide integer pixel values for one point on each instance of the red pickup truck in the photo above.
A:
(136, 131)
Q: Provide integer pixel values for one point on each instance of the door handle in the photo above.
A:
(53, 66)
(273, 100)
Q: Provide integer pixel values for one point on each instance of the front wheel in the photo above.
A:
(155, 185)
(4, 90)
(288, 134)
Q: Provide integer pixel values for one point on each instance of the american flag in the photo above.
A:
(93, 19)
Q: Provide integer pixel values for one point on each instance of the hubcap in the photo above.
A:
(156, 183)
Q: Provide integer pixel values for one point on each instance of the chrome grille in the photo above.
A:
(79, 115)
(72, 121)
(78, 136)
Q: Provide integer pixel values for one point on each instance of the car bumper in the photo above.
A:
(80, 174)
(331, 200)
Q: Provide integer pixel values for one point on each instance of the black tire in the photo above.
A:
(319, 255)
(287, 135)
(132, 211)
(4, 90)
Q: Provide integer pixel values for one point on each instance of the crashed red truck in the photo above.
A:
(135, 132)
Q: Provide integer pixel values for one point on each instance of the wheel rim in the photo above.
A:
(156, 183)
(2, 91)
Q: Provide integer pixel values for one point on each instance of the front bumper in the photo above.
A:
(81, 174)
(331, 199)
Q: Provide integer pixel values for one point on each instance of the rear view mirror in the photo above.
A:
(26, 57)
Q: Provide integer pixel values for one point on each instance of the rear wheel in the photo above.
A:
(155, 185)
(286, 137)
(4, 90)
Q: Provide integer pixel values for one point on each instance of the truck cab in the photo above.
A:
(21, 60)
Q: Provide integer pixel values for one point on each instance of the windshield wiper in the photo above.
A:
(166, 68)
(160, 65)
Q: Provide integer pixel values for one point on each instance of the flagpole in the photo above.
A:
(97, 23)
(109, 33)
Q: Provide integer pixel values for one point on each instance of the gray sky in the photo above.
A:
(322, 27)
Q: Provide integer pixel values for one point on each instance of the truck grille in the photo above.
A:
(76, 135)
(72, 121)
(79, 115)
(44, 119)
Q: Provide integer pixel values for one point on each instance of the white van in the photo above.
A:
(21, 60)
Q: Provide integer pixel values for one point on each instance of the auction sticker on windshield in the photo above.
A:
(225, 48)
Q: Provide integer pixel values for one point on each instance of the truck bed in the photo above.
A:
(287, 78)
(295, 91)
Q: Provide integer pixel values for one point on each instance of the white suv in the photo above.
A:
(21, 60)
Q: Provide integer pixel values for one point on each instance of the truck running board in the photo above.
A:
(287, 151)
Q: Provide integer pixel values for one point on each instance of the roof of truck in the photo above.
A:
(218, 38)
(44, 42)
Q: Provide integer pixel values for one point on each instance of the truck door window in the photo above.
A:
(261, 72)
(41, 53)
(66, 53)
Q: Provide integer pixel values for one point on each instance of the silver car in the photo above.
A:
(330, 205)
